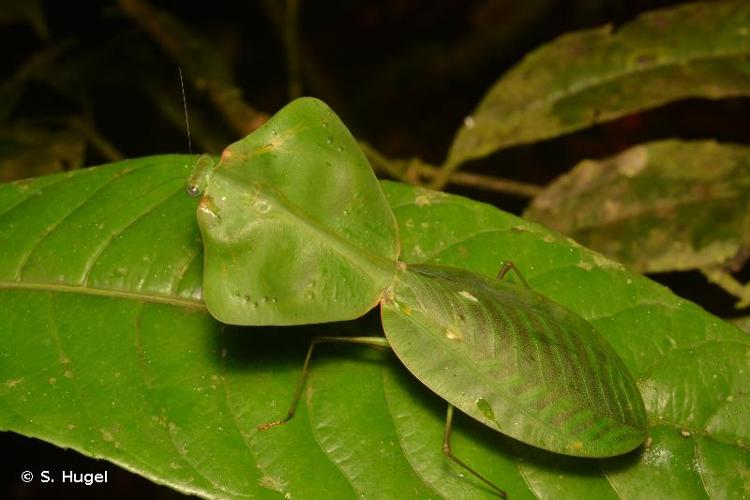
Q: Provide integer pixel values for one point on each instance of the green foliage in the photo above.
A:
(107, 348)
(592, 76)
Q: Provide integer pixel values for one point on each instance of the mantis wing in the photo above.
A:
(295, 226)
(514, 360)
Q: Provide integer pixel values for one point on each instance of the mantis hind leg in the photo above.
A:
(448, 452)
(508, 266)
(371, 341)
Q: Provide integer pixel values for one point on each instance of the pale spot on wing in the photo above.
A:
(453, 333)
(389, 297)
(467, 295)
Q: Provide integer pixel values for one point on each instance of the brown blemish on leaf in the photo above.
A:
(585, 265)
(422, 200)
(10, 384)
(418, 252)
(272, 483)
(655, 207)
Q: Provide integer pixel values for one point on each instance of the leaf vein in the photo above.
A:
(142, 364)
(52, 228)
(91, 263)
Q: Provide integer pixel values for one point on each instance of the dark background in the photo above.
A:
(402, 74)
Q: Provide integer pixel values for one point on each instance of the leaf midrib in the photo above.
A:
(105, 292)
(626, 216)
(547, 101)
(592, 83)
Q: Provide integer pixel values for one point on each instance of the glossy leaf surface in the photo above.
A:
(662, 206)
(127, 364)
(295, 227)
(596, 75)
(514, 360)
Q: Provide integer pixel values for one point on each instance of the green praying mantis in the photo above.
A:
(297, 230)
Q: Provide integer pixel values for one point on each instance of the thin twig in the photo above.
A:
(317, 81)
(415, 170)
(394, 168)
(97, 140)
(200, 60)
(729, 284)
(443, 175)
(486, 182)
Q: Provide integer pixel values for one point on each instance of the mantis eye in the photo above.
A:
(196, 183)
(193, 190)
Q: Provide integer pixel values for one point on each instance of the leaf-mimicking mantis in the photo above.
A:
(296, 230)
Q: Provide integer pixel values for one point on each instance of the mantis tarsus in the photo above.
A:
(296, 230)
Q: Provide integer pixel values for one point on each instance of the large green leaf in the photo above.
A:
(661, 206)
(105, 347)
(593, 76)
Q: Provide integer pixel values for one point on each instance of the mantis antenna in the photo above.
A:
(196, 183)
(184, 107)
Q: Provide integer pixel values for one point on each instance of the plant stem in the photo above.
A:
(729, 284)
(412, 171)
(202, 63)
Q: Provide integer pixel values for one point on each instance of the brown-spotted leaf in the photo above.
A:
(596, 75)
(661, 206)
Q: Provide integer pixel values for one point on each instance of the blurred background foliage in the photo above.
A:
(97, 81)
